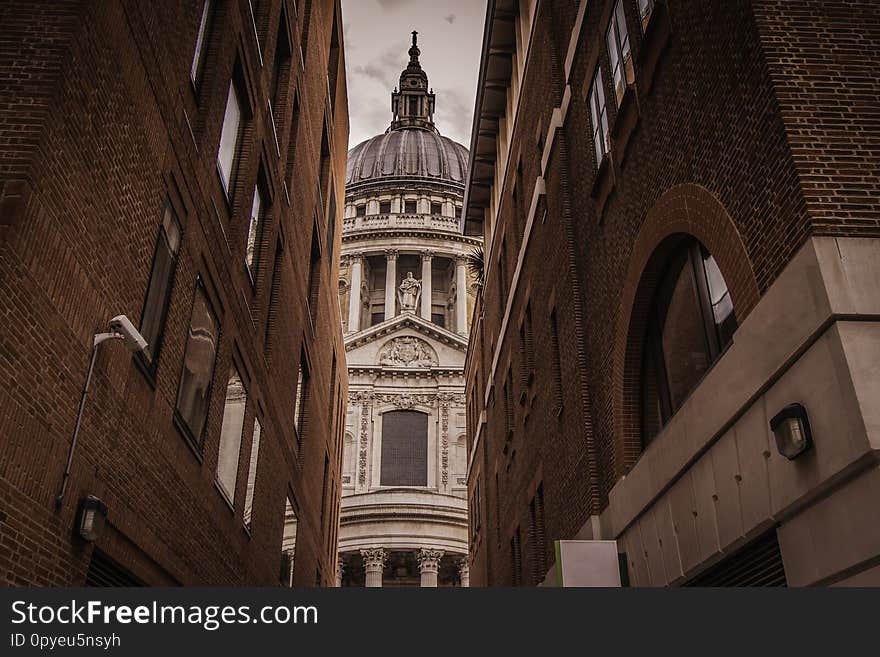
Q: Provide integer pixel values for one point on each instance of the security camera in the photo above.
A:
(121, 326)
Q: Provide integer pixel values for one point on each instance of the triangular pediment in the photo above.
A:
(405, 342)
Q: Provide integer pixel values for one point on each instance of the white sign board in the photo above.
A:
(587, 563)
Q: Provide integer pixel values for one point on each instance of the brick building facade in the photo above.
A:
(182, 164)
(679, 202)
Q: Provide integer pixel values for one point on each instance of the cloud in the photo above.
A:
(385, 68)
(391, 5)
(454, 114)
(450, 18)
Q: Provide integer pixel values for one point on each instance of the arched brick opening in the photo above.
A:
(683, 211)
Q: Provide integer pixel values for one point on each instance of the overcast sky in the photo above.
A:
(377, 37)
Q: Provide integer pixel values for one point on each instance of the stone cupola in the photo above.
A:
(412, 106)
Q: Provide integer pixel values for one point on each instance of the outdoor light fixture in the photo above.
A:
(92, 517)
(791, 426)
(121, 328)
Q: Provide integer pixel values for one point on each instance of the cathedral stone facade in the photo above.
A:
(405, 301)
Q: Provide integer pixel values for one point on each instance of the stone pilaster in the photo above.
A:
(427, 257)
(390, 284)
(461, 326)
(354, 301)
(340, 568)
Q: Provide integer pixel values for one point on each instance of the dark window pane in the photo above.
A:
(360, 210)
(198, 365)
(409, 207)
(691, 322)
(436, 209)
(683, 337)
(404, 449)
(439, 319)
(161, 278)
(384, 207)
(377, 318)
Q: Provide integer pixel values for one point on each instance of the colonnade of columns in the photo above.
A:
(357, 272)
(429, 566)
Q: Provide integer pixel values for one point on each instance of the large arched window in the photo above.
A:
(404, 449)
(690, 323)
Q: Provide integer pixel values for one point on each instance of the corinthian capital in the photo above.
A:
(374, 558)
(429, 560)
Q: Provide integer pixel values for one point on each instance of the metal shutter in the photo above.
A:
(757, 564)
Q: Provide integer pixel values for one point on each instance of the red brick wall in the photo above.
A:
(738, 110)
(110, 147)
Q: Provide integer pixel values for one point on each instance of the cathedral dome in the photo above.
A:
(411, 147)
(407, 153)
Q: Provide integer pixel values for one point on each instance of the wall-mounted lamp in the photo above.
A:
(92, 517)
(791, 426)
(120, 329)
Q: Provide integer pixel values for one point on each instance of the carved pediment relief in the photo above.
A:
(407, 351)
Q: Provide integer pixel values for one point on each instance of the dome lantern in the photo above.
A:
(413, 105)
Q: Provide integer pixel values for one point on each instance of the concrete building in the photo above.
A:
(180, 164)
(676, 347)
(405, 297)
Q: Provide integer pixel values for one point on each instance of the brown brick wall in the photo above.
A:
(124, 130)
(739, 140)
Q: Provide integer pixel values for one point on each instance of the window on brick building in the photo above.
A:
(280, 76)
(288, 544)
(516, 558)
(194, 391)
(201, 41)
(409, 207)
(690, 324)
(476, 508)
(255, 230)
(508, 403)
(646, 8)
(536, 536)
(159, 288)
(230, 434)
(230, 134)
(556, 363)
(404, 449)
(599, 117)
(303, 382)
(274, 293)
(314, 284)
(247, 516)
(619, 54)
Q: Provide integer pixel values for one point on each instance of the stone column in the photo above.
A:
(464, 572)
(374, 563)
(461, 326)
(340, 567)
(354, 293)
(427, 256)
(429, 564)
(390, 283)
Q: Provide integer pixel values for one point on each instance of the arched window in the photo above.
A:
(404, 449)
(690, 323)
